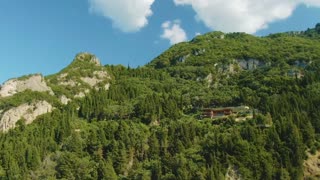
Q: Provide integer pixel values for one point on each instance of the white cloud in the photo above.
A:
(173, 32)
(197, 34)
(311, 2)
(127, 15)
(243, 15)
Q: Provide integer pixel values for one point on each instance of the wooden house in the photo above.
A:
(213, 113)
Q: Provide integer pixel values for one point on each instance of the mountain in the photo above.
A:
(30, 96)
(222, 106)
(219, 48)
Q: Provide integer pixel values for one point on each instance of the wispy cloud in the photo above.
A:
(243, 15)
(126, 15)
(173, 32)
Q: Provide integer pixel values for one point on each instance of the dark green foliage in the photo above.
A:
(215, 47)
(148, 125)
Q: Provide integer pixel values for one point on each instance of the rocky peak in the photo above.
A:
(88, 57)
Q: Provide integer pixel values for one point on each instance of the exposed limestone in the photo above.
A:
(209, 79)
(99, 77)
(80, 95)
(62, 76)
(312, 166)
(233, 173)
(64, 99)
(33, 83)
(68, 83)
(101, 74)
(107, 86)
(88, 57)
(91, 81)
(250, 64)
(28, 112)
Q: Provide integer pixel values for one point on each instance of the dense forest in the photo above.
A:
(149, 123)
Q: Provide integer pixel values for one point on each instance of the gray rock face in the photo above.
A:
(33, 83)
(250, 64)
(64, 100)
(29, 112)
(99, 76)
(233, 174)
(209, 79)
(84, 57)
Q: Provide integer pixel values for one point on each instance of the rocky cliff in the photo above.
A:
(25, 112)
(33, 83)
(88, 57)
(75, 81)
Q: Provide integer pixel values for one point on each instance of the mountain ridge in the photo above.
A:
(215, 47)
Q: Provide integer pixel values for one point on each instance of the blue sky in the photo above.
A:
(42, 36)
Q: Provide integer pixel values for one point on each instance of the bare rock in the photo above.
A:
(250, 64)
(99, 76)
(64, 99)
(233, 173)
(28, 112)
(91, 81)
(33, 83)
(107, 86)
(80, 95)
(70, 83)
(312, 166)
(62, 76)
(209, 79)
(88, 57)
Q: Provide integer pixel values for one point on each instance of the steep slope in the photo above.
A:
(151, 124)
(82, 75)
(33, 95)
(25, 112)
(217, 49)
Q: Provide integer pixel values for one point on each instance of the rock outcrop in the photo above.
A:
(312, 166)
(233, 173)
(98, 77)
(88, 57)
(28, 112)
(64, 100)
(33, 83)
(250, 64)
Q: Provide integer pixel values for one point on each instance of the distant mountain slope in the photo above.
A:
(217, 47)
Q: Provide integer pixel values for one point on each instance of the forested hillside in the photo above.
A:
(147, 122)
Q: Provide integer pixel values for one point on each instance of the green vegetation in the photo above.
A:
(148, 125)
(27, 96)
(216, 47)
(68, 81)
